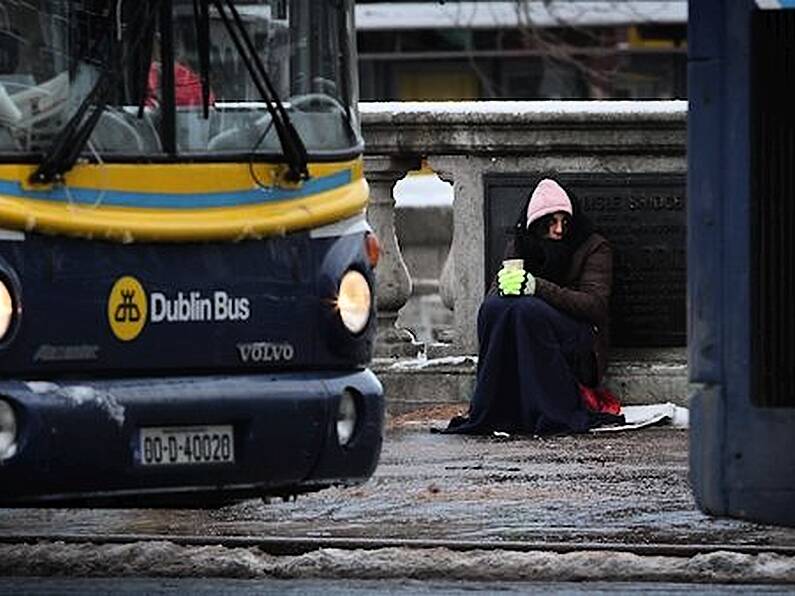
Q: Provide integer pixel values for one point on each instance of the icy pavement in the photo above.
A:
(622, 490)
(618, 488)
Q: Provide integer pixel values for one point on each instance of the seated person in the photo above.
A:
(543, 327)
(187, 86)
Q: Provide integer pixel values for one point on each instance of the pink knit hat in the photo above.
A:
(548, 197)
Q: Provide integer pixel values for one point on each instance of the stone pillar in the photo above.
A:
(393, 282)
(446, 280)
(462, 276)
(446, 344)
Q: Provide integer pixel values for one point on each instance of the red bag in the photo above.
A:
(600, 399)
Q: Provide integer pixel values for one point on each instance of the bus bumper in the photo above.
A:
(270, 434)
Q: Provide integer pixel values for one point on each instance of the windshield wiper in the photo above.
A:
(201, 14)
(69, 143)
(345, 59)
(293, 147)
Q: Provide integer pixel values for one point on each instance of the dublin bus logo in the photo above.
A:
(127, 308)
(127, 311)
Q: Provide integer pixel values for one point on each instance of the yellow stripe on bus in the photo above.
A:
(129, 224)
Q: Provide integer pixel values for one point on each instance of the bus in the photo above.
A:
(186, 269)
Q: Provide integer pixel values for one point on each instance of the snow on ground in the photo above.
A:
(166, 559)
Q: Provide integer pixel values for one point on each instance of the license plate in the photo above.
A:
(178, 445)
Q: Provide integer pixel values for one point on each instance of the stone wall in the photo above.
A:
(470, 143)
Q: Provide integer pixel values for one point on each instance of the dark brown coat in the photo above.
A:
(585, 294)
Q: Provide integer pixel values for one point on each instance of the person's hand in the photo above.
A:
(513, 282)
(510, 281)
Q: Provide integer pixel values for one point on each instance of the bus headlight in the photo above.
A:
(8, 430)
(6, 309)
(354, 301)
(346, 417)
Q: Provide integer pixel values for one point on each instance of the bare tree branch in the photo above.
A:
(554, 42)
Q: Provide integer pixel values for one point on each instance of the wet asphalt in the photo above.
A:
(624, 489)
(324, 587)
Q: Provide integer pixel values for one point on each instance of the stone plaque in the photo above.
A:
(644, 218)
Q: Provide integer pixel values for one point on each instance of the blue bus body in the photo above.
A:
(186, 302)
(259, 314)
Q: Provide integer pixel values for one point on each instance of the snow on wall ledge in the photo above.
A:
(590, 109)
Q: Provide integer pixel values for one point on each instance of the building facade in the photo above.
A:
(522, 49)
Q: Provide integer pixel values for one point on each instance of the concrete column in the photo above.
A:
(462, 278)
(446, 278)
(393, 282)
(446, 346)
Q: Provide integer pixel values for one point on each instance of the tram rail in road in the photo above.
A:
(291, 546)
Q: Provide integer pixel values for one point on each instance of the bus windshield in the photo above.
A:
(160, 79)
